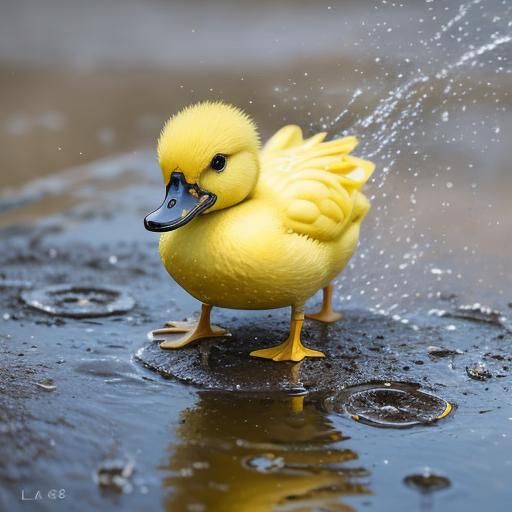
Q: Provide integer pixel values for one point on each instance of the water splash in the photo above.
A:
(473, 54)
(407, 134)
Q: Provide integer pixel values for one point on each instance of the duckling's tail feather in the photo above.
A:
(316, 183)
(288, 151)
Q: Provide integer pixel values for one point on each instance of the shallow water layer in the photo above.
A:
(426, 86)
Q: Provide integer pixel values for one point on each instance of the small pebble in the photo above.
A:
(47, 385)
(427, 483)
(442, 351)
(114, 475)
(478, 372)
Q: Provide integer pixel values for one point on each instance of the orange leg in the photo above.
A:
(326, 313)
(292, 349)
(195, 331)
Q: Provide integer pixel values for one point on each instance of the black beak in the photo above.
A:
(183, 201)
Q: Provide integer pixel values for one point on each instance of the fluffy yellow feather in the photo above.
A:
(281, 223)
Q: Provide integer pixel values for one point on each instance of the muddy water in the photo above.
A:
(81, 415)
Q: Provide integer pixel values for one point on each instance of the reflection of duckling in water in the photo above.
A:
(276, 225)
(251, 454)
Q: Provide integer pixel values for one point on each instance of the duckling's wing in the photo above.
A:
(316, 183)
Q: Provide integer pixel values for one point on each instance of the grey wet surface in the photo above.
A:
(82, 411)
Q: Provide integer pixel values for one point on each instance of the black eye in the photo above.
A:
(218, 163)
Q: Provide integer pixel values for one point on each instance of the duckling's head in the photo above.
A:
(208, 154)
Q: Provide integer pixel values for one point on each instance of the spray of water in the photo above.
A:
(471, 49)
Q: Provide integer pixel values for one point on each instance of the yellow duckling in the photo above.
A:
(250, 229)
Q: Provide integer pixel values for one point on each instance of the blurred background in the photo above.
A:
(81, 80)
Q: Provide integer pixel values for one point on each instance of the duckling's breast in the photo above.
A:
(242, 258)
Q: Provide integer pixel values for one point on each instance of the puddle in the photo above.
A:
(391, 405)
(111, 369)
(241, 452)
(79, 301)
